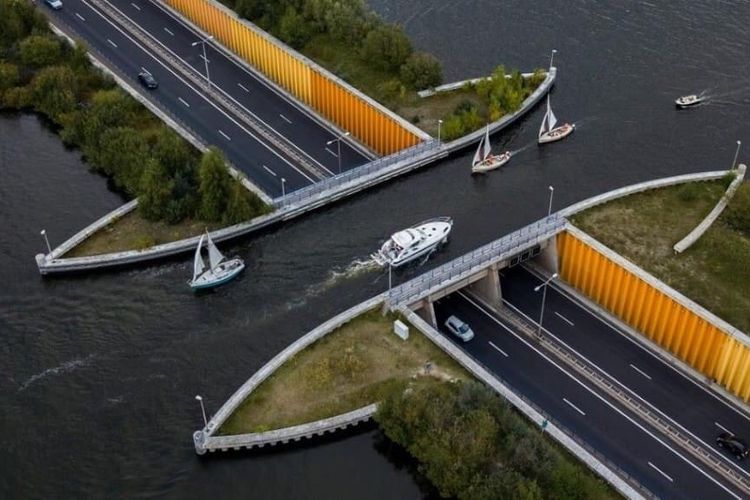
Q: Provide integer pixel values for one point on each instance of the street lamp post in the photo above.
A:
(337, 140)
(552, 58)
(440, 124)
(44, 233)
(203, 410)
(543, 286)
(736, 154)
(205, 59)
(551, 193)
(283, 188)
(390, 270)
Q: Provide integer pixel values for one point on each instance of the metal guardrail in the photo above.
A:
(629, 401)
(187, 71)
(300, 196)
(462, 267)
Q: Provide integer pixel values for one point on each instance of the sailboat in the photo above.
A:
(484, 160)
(548, 132)
(219, 270)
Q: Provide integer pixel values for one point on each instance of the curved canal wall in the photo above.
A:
(204, 439)
(293, 205)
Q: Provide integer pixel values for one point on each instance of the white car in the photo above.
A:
(54, 4)
(459, 328)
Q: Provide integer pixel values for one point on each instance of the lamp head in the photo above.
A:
(198, 398)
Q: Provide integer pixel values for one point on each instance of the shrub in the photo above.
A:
(40, 50)
(737, 214)
(53, 91)
(293, 29)
(421, 70)
(213, 185)
(386, 47)
(8, 75)
(143, 241)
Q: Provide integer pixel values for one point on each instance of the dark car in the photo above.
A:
(147, 80)
(733, 444)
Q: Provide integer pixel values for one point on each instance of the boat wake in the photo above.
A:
(66, 367)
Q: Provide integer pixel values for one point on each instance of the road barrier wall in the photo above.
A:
(374, 125)
(694, 335)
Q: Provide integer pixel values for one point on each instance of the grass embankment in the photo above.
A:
(133, 232)
(714, 272)
(351, 367)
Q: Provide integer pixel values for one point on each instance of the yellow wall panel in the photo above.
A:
(685, 334)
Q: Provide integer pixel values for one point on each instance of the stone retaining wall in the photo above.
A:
(204, 439)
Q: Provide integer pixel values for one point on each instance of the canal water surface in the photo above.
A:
(98, 373)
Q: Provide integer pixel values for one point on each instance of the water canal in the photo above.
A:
(98, 372)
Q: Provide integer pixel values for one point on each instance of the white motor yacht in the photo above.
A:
(414, 242)
(687, 101)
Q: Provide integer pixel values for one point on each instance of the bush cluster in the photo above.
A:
(500, 93)
(737, 213)
(117, 136)
(471, 445)
(381, 45)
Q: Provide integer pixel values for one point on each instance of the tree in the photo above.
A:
(213, 185)
(421, 71)
(250, 9)
(8, 75)
(107, 109)
(155, 191)
(293, 28)
(39, 50)
(53, 91)
(387, 47)
(124, 152)
(239, 207)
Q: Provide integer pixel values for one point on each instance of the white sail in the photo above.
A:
(214, 255)
(549, 121)
(478, 155)
(487, 146)
(198, 264)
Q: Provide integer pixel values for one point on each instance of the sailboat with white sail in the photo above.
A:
(219, 269)
(548, 132)
(484, 160)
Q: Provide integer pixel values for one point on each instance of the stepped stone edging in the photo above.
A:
(701, 228)
(204, 439)
(54, 262)
(530, 412)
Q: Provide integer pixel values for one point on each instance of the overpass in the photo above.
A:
(609, 363)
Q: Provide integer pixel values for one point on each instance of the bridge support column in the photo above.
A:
(426, 311)
(488, 288)
(548, 259)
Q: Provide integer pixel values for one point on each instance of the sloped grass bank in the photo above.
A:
(714, 272)
(353, 366)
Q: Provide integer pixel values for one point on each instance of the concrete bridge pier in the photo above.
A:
(488, 289)
(548, 258)
(426, 311)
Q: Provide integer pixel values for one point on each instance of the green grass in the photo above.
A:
(351, 367)
(714, 272)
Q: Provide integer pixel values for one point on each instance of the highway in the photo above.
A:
(264, 163)
(614, 432)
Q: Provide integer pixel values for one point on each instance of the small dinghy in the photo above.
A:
(219, 270)
(414, 242)
(548, 132)
(687, 101)
(484, 160)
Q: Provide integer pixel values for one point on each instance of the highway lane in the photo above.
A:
(694, 408)
(636, 449)
(243, 86)
(183, 100)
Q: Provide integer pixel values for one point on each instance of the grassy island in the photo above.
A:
(714, 272)
(351, 367)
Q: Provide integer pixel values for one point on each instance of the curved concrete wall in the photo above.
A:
(204, 439)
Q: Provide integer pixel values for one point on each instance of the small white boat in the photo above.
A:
(484, 160)
(219, 270)
(548, 132)
(414, 242)
(687, 101)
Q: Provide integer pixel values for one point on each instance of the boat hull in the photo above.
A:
(435, 233)
(557, 134)
(491, 163)
(683, 105)
(203, 281)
